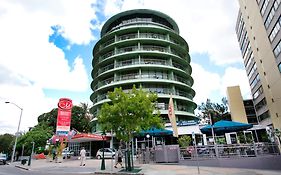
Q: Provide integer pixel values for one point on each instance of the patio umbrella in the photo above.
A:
(156, 132)
(224, 126)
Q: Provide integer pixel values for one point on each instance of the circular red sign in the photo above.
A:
(65, 104)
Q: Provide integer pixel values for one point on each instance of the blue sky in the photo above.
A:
(46, 49)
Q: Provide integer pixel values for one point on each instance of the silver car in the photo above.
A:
(108, 153)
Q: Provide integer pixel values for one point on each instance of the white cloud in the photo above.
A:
(30, 63)
(205, 83)
(207, 26)
(236, 77)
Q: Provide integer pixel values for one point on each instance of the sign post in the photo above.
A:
(64, 117)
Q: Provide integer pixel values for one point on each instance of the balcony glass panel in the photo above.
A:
(127, 49)
(108, 67)
(127, 62)
(152, 35)
(107, 81)
(153, 61)
(154, 48)
(108, 42)
(183, 80)
(127, 36)
(179, 66)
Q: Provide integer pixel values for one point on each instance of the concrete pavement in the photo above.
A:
(93, 167)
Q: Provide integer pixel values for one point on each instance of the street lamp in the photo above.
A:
(148, 136)
(17, 133)
(102, 160)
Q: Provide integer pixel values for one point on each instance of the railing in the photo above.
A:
(153, 35)
(180, 79)
(176, 65)
(142, 48)
(127, 62)
(184, 94)
(103, 69)
(228, 151)
(153, 61)
(127, 36)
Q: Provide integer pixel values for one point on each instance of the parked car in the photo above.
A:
(67, 154)
(3, 159)
(108, 153)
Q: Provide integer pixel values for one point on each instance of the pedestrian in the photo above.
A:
(54, 153)
(118, 158)
(83, 156)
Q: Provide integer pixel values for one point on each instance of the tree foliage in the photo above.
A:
(184, 141)
(6, 143)
(80, 118)
(216, 111)
(38, 134)
(129, 113)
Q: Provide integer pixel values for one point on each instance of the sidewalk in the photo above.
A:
(93, 167)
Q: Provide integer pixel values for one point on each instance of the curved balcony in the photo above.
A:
(144, 61)
(142, 36)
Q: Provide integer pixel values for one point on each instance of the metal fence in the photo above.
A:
(228, 151)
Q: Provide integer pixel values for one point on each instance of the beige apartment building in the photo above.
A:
(257, 29)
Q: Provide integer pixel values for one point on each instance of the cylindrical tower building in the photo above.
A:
(143, 47)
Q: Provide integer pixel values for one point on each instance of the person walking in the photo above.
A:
(118, 158)
(83, 156)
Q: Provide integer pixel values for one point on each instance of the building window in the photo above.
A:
(279, 67)
(249, 60)
(275, 30)
(263, 7)
(252, 71)
(264, 116)
(277, 49)
(255, 81)
(271, 13)
(261, 104)
(258, 93)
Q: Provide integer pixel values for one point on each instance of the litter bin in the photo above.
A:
(23, 161)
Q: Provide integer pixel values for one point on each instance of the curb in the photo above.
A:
(117, 173)
(21, 167)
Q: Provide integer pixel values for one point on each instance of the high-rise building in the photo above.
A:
(143, 47)
(240, 110)
(257, 29)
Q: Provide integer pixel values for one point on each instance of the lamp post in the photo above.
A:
(102, 160)
(148, 136)
(17, 133)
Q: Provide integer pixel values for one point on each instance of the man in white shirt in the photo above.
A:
(83, 156)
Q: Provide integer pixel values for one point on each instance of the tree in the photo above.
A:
(215, 111)
(38, 134)
(184, 141)
(80, 118)
(6, 143)
(129, 113)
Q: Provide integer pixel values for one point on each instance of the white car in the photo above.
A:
(108, 153)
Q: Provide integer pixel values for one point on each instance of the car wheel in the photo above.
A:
(99, 157)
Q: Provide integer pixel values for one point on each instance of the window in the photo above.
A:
(252, 71)
(261, 104)
(263, 7)
(277, 49)
(271, 13)
(255, 81)
(264, 116)
(258, 93)
(249, 60)
(275, 30)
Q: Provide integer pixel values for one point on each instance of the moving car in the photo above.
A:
(3, 159)
(108, 153)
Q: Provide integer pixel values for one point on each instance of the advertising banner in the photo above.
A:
(64, 116)
(172, 117)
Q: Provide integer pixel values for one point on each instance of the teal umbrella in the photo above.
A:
(224, 126)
